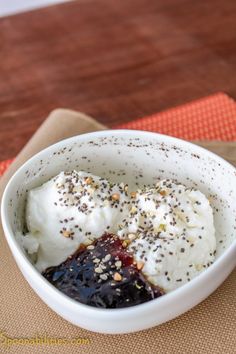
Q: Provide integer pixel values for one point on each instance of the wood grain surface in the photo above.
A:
(114, 60)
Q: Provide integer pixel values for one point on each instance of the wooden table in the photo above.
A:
(115, 60)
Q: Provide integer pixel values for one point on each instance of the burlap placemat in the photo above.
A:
(208, 328)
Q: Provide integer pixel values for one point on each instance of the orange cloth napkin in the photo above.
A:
(209, 118)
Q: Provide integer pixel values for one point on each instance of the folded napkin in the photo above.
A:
(208, 328)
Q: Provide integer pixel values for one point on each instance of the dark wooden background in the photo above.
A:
(115, 60)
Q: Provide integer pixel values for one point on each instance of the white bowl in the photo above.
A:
(133, 157)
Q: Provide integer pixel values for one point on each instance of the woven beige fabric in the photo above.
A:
(208, 328)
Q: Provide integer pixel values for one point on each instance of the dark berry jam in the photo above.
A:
(103, 275)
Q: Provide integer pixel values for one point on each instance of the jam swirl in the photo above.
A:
(103, 275)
